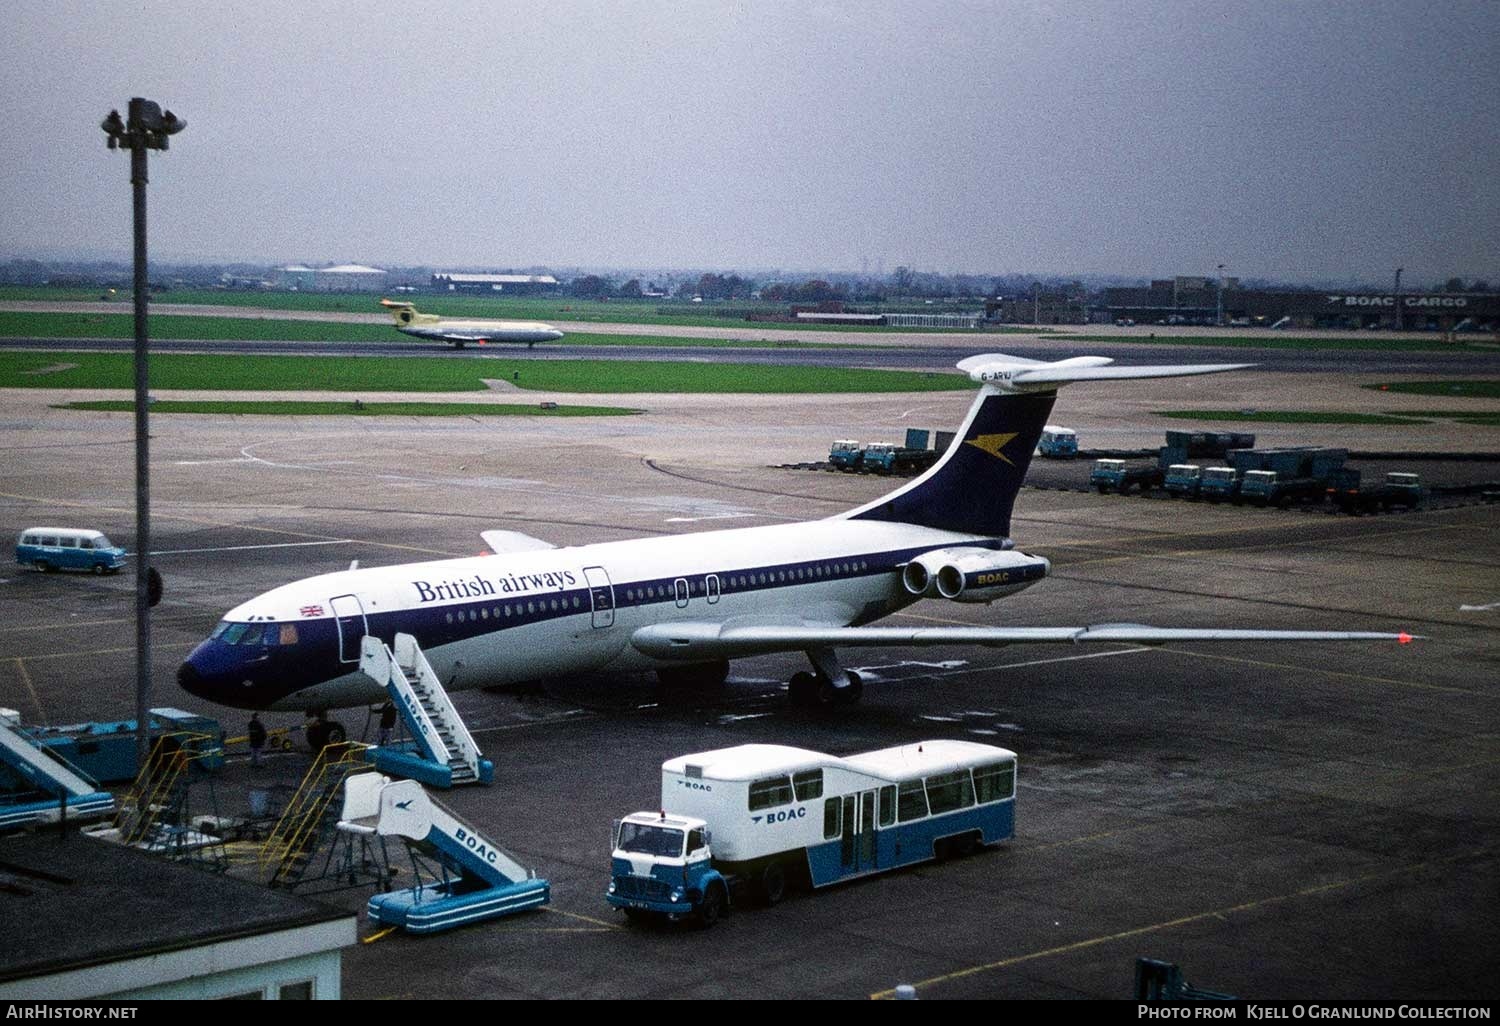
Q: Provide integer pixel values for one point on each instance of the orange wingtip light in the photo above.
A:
(1403, 638)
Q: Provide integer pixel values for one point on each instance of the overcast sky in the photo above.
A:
(1289, 140)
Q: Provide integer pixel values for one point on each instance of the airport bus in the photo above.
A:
(764, 815)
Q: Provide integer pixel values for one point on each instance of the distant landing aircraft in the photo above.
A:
(459, 332)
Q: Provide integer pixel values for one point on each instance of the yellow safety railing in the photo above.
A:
(304, 813)
(151, 791)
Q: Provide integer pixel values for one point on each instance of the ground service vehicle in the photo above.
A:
(763, 817)
(1219, 483)
(68, 548)
(1058, 443)
(1120, 476)
(1183, 480)
(1398, 489)
(846, 454)
(1269, 488)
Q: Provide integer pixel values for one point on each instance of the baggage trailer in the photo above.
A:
(756, 818)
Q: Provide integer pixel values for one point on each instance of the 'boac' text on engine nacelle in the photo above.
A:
(968, 574)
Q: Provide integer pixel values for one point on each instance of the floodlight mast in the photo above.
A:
(147, 128)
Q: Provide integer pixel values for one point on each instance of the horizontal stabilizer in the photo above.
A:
(503, 542)
(1018, 374)
(701, 641)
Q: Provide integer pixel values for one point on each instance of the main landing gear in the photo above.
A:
(829, 685)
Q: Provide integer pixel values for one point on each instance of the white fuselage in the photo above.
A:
(490, 620)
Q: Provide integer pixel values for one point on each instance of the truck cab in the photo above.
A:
(662, 866)
(880, 457)
(846, 454)
(1217, 483)
(1183, 480)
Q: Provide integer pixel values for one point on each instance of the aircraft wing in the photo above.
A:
(513, 541)
(689, 641)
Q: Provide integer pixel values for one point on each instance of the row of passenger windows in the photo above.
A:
(65, 542)
(769, 792)
(256, 633)
(942, 792)
(510, 610)
(815, 572)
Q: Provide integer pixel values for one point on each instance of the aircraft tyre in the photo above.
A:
(829, 696)
(335, 733)
(772, 884)
(802, 689)
(711, 908)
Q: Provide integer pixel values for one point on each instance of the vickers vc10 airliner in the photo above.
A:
(410, 321)
(685, 605)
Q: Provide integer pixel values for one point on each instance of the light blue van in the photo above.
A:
(68, 548)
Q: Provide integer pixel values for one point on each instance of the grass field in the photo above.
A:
(436, 374)
(122, 326)
(353, 409)
(556, 308)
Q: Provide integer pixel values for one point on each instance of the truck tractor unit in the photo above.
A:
(846, 454)
(1398, 489)
(1219, 484)
(1183, 480)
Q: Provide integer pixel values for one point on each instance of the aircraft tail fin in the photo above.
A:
(405, 314)
(973, 486)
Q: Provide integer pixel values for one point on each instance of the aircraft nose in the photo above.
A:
(554, 335)
(190, 679)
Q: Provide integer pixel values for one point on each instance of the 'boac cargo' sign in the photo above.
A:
(1447, 302)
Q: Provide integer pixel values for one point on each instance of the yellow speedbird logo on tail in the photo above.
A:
(993, 444)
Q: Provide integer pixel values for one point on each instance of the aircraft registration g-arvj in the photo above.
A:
(460, 332)
(685, 605)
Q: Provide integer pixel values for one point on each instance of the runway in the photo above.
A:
(1283, 822)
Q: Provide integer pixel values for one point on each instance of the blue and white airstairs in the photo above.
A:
(476, 880)
(446, 754)
(37, 786)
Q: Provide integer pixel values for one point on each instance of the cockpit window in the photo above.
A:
(219, 630)
(234, 633)
(272, 635)
(288, 634)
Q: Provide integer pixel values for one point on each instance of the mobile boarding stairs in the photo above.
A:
(37, 786)
(442, 752)
(477, 881)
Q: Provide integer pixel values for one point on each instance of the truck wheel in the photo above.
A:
(98, 569)
(42, 566)
(772, 885)
(637, 915)
(711, 908)
(1103, 489)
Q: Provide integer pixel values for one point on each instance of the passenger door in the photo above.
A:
(350, 615)
(601, 596)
